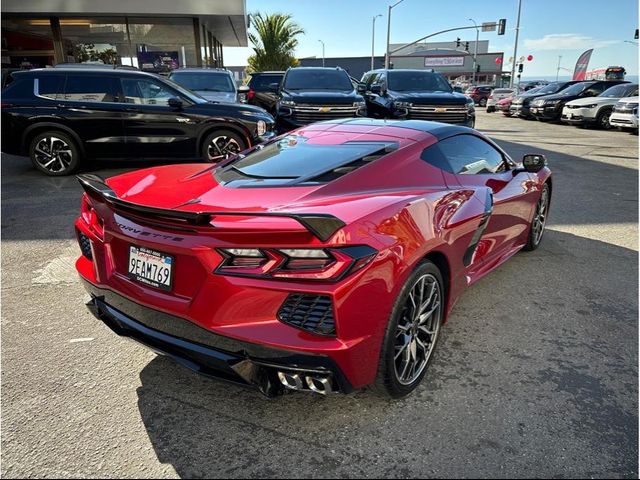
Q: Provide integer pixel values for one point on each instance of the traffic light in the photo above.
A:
(502, 25)
(458, 42)
(520, 67)
(466, 46)
(636, 35)
(477, 68)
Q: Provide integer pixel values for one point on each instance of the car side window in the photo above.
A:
(594, 90)
(90, 88)
(50, 86)
(146, 92)
(468, 155)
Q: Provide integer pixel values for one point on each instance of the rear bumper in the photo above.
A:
(243, 363)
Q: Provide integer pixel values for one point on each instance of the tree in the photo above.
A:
(274, 42)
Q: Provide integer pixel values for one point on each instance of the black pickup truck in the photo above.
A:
(309, 94)
(416, 95)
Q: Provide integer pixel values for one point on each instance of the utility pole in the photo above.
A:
(322, 51)
(558, 70)
(475, 52)
(386, 57)
(373, 37)
(515, 47)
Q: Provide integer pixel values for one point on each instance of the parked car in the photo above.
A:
(480, 94)
(321, 262)
(549, 107)
(60, 117)
(314, 94)
(497, 95)
(521, 105)
(261, 91)
(416, 95)
(625, 114)
(597, 111)
(504, 106)
(216, 85)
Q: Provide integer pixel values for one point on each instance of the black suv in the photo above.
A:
(59, 116)
(261, 92)
(549, 107)
(416, 95)
(521, 105)
(309, 94)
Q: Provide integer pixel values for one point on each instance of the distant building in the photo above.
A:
(355, 66)
(154, 35)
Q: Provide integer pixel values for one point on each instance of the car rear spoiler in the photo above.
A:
(320, 225)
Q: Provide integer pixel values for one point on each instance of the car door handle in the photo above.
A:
(131, 109)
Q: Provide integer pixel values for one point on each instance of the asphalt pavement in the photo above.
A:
(536, 374)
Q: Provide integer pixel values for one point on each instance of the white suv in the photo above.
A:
(597, 110)
(625, 114)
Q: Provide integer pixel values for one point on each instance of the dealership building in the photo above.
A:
(454, 62)
(152, 35)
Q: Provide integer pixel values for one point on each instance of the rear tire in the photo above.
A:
(54, 153)
(412, 332)
(221, 144)
(483, 102)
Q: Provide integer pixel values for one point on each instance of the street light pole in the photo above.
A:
(373, 37)
(558, 70)
(475, 52)
(515, 47)
(322, 51)
(386, 57)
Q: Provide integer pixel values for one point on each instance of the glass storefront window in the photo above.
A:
(159, 44)
(27, 43)
(95, 40)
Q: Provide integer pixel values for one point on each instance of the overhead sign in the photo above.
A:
(489, 26)
(455, 61)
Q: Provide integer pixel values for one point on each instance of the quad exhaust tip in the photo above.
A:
(293, 381)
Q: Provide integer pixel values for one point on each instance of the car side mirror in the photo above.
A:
(175, 102)
(534, 162)
(361, 88)
(274, 87)
(376, 89)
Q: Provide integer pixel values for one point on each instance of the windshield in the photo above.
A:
(551, 88)
(194, 97)
(576, 88)
(292, 157)
(205, 82)
(417, 82)
(620, 91)
(321, 79)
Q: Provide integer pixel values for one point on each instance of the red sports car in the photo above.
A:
(325, 260)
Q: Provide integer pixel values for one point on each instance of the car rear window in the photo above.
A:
(293, 160)
(263, 82)
(204, 81)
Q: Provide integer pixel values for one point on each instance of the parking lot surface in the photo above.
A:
(535, 376)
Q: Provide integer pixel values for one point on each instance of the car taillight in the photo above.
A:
(5, 105)
(91, 218)
(251, 93)
(323, 264)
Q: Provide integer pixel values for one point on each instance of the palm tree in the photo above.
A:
(274, 43)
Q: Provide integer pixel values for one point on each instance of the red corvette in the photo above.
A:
(325, 260)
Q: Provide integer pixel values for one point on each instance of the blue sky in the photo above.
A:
(547, 28)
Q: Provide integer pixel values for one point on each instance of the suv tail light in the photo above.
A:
(251, 93)
(323, 264)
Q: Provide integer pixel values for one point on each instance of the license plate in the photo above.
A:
(150, 267)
